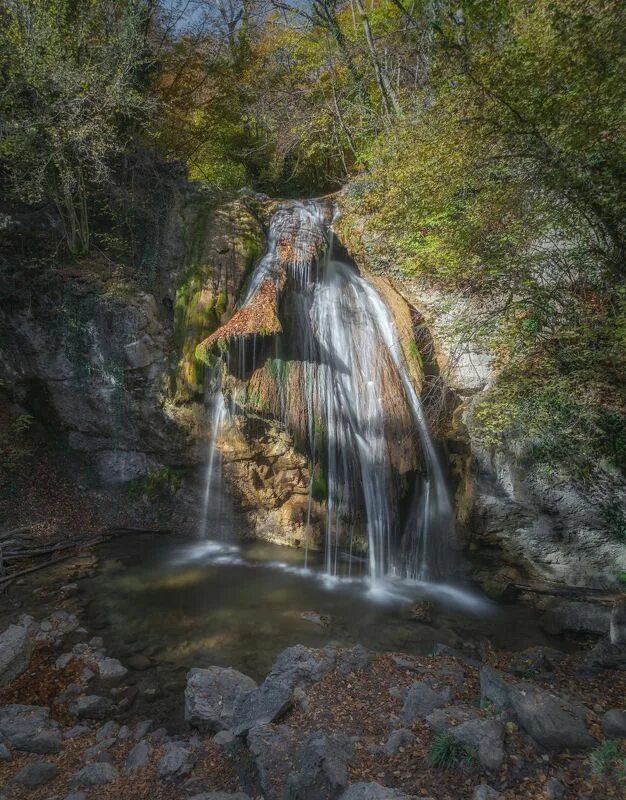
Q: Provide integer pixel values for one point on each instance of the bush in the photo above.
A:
(446, 752)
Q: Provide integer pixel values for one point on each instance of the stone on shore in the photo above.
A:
(323, 767)
(96, 774)
(30, 729)
(421, 700)
(374, 791)
(16, 649)
(37, 774)
(553, 722)
(211, 695)
(177, 761)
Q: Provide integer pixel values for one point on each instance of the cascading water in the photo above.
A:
(353, 383)
(213, 473)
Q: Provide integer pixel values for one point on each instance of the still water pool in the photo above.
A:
(180, 604)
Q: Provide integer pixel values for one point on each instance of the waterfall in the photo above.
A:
(213, 474)
(354, 388)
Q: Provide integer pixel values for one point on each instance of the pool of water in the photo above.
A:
(189, 604)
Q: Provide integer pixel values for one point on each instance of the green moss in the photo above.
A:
(164, 481)
(319, 490)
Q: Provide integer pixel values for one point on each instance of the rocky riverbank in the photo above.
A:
(325, 723)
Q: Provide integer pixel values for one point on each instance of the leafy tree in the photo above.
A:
(74, 97)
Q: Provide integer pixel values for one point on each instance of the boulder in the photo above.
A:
(421, 699)
(442, 720)
(396, 740)
(221, 796)
(211, 694)
(614, 723)
(323, 767)
(484, 792)
(99, 751)
(139, 756)
(109, 730)
(274, 749)
(96, 774)
(30, 729)
(606, 655)
(577, 616)
(374, 791)
(5, 753)
(110, 669)
(90, 706)
(494, 688)
(76, 732)
(177, 761)
(352, 660)
(37, 774)
(141, 729)
(553, 722)
(485, 737)
(295, 667)
(16, 649)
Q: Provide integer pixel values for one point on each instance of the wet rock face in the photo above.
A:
(271, 479)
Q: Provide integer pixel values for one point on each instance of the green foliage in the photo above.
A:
(319, 489)
(446, 752)
(163, 482)
(73, 99)
(608, 759)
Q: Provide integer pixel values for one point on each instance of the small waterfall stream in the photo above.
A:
(343, 336)
(218, 414)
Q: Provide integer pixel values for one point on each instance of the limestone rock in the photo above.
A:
(553, 722)
(494, 688)
(352, 660)
(211, 694)
(274, 749)
(30, 729)
(421, 699)
(578, 616)
(107, 731)
(141, 729)
(484, 792)
(396, 740)
(486, 737)
(177, 761)
(96, 774)
(442, 720)
(139, 756)
(16, 649)
(37, 774)
(614, 723)
(110, 669)
(322, 768)
(295, 667)
(373, 791)
(221, 796)
(90, 706)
